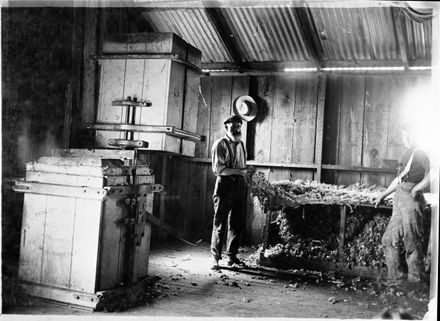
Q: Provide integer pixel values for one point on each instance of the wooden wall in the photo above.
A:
(280, 135)
(305, 124)
(362, 120)
(187, 206)
(41, 58)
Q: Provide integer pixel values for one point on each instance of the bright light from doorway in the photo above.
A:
(300, 69)
(364, 69)
(421, 112)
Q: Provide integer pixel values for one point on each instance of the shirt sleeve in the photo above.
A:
(218, 158)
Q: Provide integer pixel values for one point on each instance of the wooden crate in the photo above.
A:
(171, 87)
(77, 243)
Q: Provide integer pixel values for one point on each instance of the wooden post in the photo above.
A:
(343, 212)
(434, 169)
(162, 196)
(320, 126)
(67, 116)
(268, 214)
(75, 71)
(91, 44)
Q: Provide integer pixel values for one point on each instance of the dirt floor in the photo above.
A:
(189, 288)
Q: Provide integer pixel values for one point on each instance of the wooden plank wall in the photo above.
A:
(285, 128)
(360, 128)
(279, 135)
(363, 115)
(187, 205)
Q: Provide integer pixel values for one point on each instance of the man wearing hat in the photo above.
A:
(229, 165)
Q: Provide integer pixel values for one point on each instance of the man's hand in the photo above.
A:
(379, 200)
(243, 171)
(413, 193)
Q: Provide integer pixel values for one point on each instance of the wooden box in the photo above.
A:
(157, 43)
(171, 87)
(74, 237)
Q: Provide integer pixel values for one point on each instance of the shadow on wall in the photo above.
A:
(38, 63)
(262, 114)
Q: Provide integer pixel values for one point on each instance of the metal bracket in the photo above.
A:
(135, 189)
(126, 143)
(60, 190)
(68, 296)
(132, 103)
(170, 130)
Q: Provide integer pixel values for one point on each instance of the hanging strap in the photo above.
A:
(407, 168)
(244, 151)
(230, 152)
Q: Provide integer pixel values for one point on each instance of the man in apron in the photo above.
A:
(229, 165)
(404, 228)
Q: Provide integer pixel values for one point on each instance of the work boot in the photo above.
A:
(235, 262)
(214, 263)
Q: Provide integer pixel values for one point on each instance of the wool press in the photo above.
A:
(87, 213)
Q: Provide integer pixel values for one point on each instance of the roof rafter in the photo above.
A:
(400, 36)
(309, 34)
(228, 37)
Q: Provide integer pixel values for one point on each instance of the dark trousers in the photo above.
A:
(229, 212)
(404, 230)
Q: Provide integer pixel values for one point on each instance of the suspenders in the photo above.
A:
(230, 151)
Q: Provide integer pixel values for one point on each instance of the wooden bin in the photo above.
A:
(149, 67)
(74, 237)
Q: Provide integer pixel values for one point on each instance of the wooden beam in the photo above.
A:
(262, 164)
(207, 160)
(219, 66)
(281, 65)
(400, 33)
(310, 35)
(359, 169)
(224, 29)
(276, 66)
(361, 63)
(211, 3)
(320, 126)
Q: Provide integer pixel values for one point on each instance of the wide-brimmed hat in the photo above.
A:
(245, 107)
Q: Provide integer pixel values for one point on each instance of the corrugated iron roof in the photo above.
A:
(194, 26)
(419, 39)
(273, 34)
(356, 34)
(268, 34)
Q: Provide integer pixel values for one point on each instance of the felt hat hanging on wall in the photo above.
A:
(245, 107)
